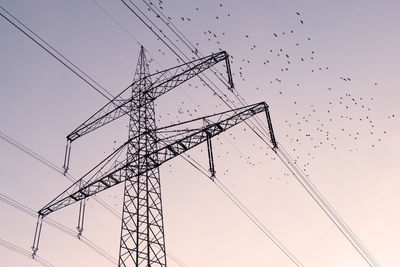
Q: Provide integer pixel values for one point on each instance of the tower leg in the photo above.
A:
(142, 231)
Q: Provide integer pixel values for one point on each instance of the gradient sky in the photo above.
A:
(336, 112)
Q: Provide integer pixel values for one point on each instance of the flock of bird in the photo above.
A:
(340, 117)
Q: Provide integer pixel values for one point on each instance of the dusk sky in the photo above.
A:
(329, 71)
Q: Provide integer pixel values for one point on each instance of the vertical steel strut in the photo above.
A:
(210, 156)
(67, 156)
(271, 129)
(38, 230)
(81, 217)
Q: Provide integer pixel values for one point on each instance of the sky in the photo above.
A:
(327, 69)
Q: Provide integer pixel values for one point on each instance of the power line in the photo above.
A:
(182, 37)
(59, 170)
(327, 208)
(77, 71)
(257, 222)
(245, 210)
(53, 52)
(197, 53)
(74, 72)
(292, 209)
(24, 252)
(115, 21)
(346, 231)
(54, 167)
(23, 208)
(109, 15)
(260, 133)
(173, 51)
(335, 216)
(242, 101)
(66, 230)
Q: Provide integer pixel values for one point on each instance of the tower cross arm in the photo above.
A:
(182, 140)
(177, 142)
(105, 174)
(163, 82)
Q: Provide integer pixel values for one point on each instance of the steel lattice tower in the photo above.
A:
(142, 231)
(142, 240)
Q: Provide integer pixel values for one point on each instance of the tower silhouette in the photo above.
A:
(142, 241)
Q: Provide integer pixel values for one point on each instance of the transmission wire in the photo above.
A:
(244, 209)
(353, 239)
(108, 14)
(87, 80)
(53, 52)
(59, 54)
(185, 40)
(51, 165)
(15, 204)
(328, 210)
(337, 216)
(24, 252)
(99, 91)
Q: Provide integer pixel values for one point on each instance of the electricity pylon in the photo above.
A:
(142, 240)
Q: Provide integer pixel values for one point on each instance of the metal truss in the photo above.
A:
(163, 82)
(142, 240)
(175, 143)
